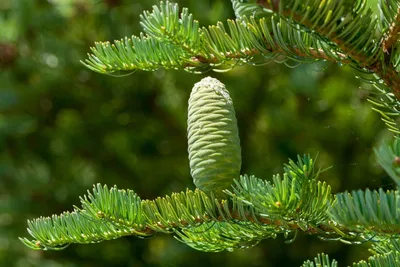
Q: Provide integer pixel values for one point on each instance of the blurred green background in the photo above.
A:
(64, 128)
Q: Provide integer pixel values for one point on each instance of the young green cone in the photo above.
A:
(213, 137)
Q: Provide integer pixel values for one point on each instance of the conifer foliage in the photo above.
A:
(228, 211)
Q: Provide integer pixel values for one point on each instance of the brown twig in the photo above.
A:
(311, 53)
(392, 35)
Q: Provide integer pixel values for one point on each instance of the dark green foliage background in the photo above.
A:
(64, 128)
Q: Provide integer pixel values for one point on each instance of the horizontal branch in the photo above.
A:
(329, 229)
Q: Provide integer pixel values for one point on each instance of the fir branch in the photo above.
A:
(214, 225)
(327, 20)
(256, 210)
(349, 28)
(175, 41)
(352, 33)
